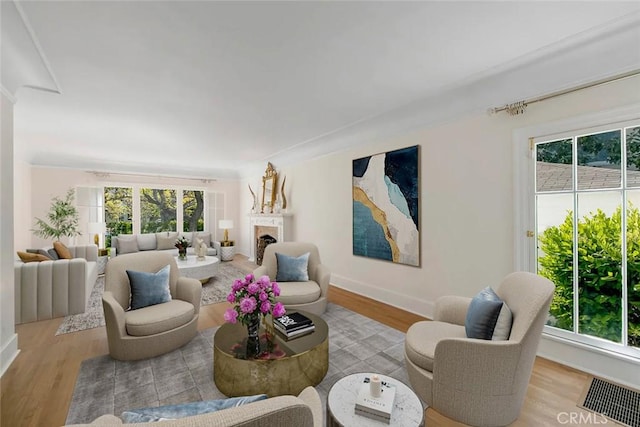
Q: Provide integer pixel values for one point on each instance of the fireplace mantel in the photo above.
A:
(280, 222)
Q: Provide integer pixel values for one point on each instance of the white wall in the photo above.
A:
(8, 337)
(466, 208)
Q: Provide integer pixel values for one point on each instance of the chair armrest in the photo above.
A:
(88, 252)
(113, 315)
(322, 277)
(217, 246)
(452, 309)
(474, 365)
(189, 290)
(261, 271)
(311, 397)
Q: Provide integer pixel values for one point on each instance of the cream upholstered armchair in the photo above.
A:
(476, 381)
(308, 295)
(155, 329)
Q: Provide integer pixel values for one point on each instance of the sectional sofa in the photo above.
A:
(164, 241)
(49, 289)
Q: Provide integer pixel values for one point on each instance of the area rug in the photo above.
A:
(215, 290)
(108, 386)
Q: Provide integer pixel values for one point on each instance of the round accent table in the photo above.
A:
(227, 252)
(341, 401)
(290, 367)
(195, 269)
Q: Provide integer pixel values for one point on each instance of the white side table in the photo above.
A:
(341, 402)
(227, 252)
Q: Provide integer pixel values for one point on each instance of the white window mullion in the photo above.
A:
(135, 208)
(623, 221)
(576, 218)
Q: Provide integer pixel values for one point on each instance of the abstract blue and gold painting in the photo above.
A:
(386, 202)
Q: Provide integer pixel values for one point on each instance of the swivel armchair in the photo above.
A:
(476, 381)
(156, 329)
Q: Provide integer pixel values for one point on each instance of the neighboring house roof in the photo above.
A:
(558, 177)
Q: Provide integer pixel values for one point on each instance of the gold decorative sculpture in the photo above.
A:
(255, 200)
(269, 188)
(284, 198)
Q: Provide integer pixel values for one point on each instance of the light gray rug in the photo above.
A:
(108, 386)
(215, 290)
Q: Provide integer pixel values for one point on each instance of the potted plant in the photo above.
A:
(62, 218)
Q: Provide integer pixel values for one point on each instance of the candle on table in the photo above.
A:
(375, 386)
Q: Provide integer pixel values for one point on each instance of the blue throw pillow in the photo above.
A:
(172, 412)
(292, 269)
(149, 288)
(488, 317)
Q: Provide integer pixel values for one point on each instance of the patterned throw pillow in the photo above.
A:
(62, 251)
(292, 269)
(149, 288)
(172, 412)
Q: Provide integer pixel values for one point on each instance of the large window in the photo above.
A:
(192, 210)
(157, 210)
(150, 210)
(587, 228)
(118, 211)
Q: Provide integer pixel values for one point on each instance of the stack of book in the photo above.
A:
(378, 408)
(293, 325)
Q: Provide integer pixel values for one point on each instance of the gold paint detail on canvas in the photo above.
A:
(380, 217)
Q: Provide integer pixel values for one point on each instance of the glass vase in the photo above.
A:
(253, 339)
(182, 254)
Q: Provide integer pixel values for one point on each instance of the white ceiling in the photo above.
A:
(203, 88)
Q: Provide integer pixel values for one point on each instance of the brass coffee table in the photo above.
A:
(292, 366)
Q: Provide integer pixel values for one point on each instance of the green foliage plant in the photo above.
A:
(62, 219)
(600, 273)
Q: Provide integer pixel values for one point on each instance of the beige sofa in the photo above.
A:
(49, 289)
(164, 241)
(305, 410)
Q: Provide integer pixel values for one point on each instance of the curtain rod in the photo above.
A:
(519, 107)
(100, 174)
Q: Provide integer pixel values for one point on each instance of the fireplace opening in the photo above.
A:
(261, 243)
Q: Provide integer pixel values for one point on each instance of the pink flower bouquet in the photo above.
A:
(252, 298)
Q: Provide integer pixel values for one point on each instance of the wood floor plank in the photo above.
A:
(37, 388)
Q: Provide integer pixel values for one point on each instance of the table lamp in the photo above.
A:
(225, 224)
(97, 229)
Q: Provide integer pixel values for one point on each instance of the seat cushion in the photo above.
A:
(158, 318)
(298, 292)
(422, 338)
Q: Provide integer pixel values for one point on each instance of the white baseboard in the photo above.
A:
(8, 354)
(386, 296)
(601, 363)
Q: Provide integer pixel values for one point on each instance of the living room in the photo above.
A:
(471, 221)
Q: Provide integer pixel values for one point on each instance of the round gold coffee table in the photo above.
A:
(288, 369)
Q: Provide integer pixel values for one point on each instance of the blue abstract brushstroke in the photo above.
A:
(360, 166)
(368, 236)
(396, 197)
(401, 166)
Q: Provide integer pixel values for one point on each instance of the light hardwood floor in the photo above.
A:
(37, 388)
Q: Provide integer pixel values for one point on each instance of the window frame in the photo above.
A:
(179, 189)
(524, 200)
